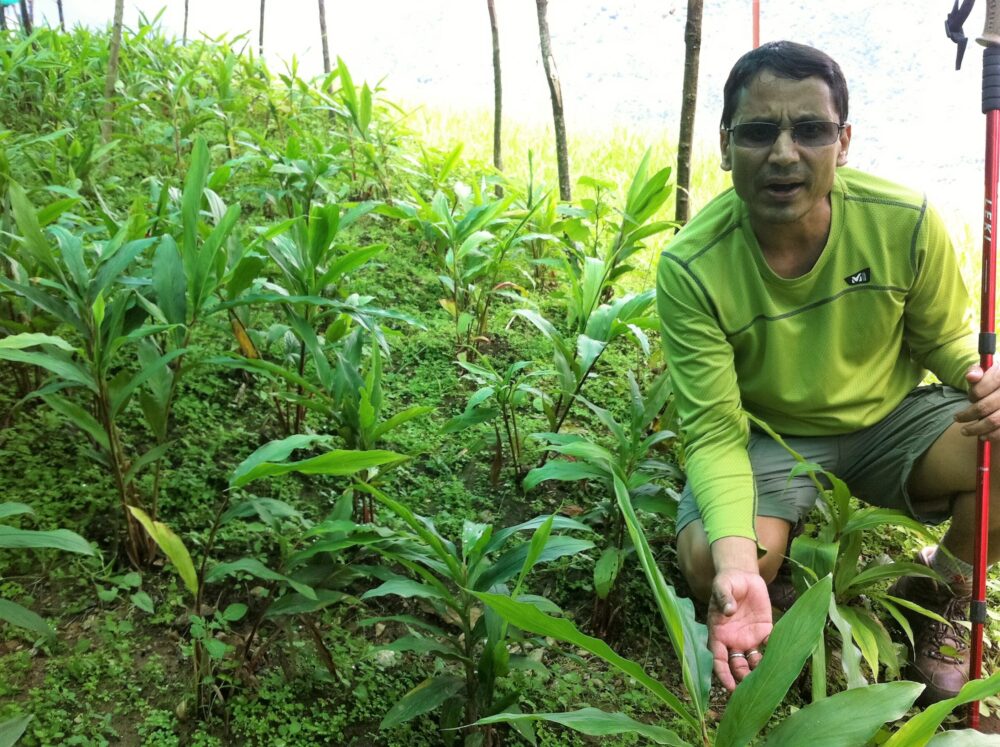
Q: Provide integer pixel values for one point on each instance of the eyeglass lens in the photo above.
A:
(763, 134)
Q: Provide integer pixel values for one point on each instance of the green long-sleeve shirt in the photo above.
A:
(830, 352)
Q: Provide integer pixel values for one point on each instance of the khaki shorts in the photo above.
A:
(875, 462)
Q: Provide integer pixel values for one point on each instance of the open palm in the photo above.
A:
(739, 622)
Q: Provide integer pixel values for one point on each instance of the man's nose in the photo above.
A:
(784, 149)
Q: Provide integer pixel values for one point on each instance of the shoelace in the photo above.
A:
(953, 635)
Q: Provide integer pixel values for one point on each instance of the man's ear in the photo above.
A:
(727, 163)
(845, 142)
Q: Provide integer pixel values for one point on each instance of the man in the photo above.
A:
(815, 298)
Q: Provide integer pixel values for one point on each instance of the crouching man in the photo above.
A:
(816, 297)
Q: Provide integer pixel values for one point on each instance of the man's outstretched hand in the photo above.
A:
(739, 622)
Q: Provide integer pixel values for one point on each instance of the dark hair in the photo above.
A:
(786, 60)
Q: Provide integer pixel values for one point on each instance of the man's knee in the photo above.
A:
(695, 559)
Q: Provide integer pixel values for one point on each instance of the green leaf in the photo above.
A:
(80, 418)
(55, 539)
(595, 723)
(29, 339)
(529, 618)
(404, 587)
(13, 508)
(143, 601)
(22, 617)
(606, 571)
(920, 729)
(35, 242)
(255, 568)
(270, 452)
(791, 643)
(689, 638)
(12, 729)
(963, 738)
(234, 612)
(335, 462)
(510, 562)
(169, 281)
(539, 539)
(60, 366)
(172, 547)
(422, 699)
(558, 469)
(846, 719)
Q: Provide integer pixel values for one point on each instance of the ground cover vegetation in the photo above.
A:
(318, 430)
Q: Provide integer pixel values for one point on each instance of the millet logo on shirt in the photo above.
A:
(860, 277)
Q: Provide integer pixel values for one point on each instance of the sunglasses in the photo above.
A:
(764, 134)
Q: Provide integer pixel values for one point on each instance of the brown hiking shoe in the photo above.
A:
(941, 651)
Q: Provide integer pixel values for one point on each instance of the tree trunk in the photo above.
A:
(558, 120)
(322, 36)
(25, 18)
(62, 17)
(112, 78)
(692, 51)
(260, 40)
(497, 91)
(3, 18)
(185, 37)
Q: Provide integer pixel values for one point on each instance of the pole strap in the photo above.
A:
(987, 343)
(977, 612)
(953, 28)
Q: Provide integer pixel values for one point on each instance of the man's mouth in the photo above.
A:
(783, 188)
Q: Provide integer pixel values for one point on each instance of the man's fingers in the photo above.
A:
(753, 658)
(720, 663)
(739, 665)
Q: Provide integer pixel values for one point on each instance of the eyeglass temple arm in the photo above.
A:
(953, 28)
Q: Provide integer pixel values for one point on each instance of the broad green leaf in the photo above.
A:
(791, 643)
(863, 636)
(270, 452)
(21, 617)
(813, 553)
(255, 568)
(13, 508)
(273, 451)
(425, 697)
(62, 367)
(529, 618)
(537, 545)
(297, 604)
(850, 656)
(334, 462)
(55, 539)
(406, 588)
(29, 339)
(606, 571)
(921, 728)
(595, 723)
(689, 638)
(27, 223)
(120, 396)
(143, 601)
(514, 560)
(12, 729)
(560, 522)
(172, 547)
(169, 281)
(80, 418)
(847, 719)
(558, 469)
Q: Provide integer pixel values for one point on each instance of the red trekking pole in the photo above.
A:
(756, 23)
(987, 337)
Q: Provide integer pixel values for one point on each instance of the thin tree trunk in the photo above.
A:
(558, 119)
(322, 35)
(497, 91)
(692, 51)
(260, 40)
(109, 83)
(185, 37)
(25, 18)
(3, 18)
(62, 17)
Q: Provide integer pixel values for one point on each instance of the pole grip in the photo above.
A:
(991, 31)
(991, 76)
